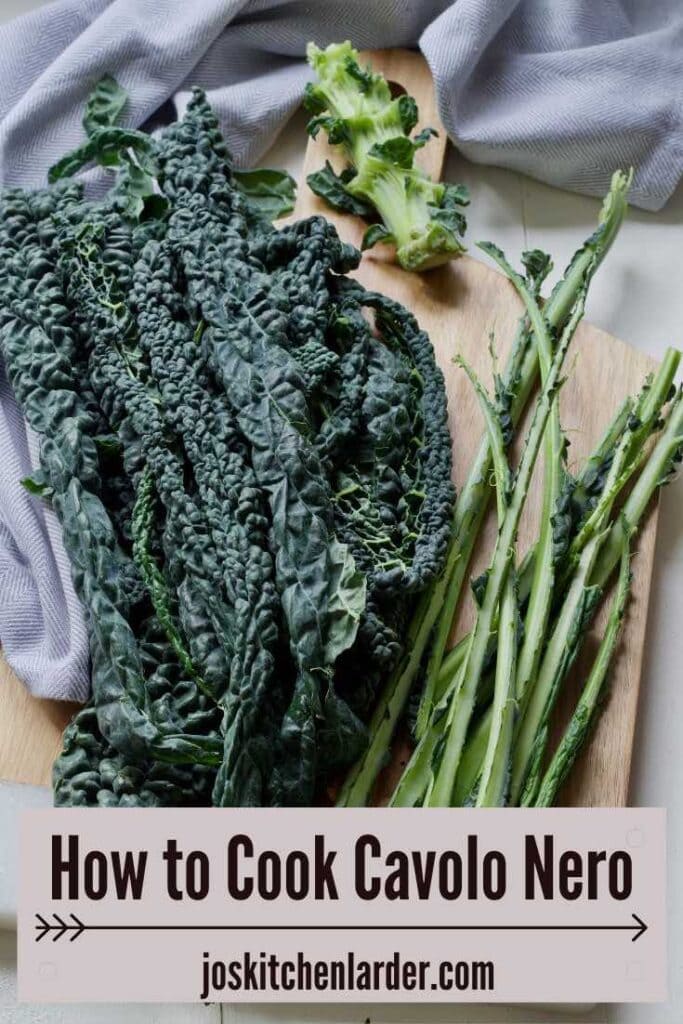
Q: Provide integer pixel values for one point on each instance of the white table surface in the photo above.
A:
(637, 295)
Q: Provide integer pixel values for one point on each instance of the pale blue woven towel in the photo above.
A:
(563, 90)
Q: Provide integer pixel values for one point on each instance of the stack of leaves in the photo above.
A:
(249, 456)
(482, 727)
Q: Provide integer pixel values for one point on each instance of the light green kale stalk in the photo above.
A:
(422, 218)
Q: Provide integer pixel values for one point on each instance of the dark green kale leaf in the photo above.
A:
(331, 187)
(105, 105)
(271, 192)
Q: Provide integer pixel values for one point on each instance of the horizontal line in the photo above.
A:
(362, 927)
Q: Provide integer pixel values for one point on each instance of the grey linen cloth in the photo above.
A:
(563, 90)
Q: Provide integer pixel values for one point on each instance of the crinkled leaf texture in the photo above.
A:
(249, 456)
(346, 602)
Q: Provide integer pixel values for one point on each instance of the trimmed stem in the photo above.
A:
(543, 582)
(521, 375)
(559, 655)
(471, 506)
(441, 788)
(588, 707)
(660, 464)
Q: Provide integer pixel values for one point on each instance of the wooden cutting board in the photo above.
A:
(459, 305)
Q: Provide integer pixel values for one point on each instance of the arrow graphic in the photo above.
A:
(75, 930)
(60, 928)
(641, 926)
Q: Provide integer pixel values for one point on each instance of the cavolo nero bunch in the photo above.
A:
(353, 105)
(249, 456)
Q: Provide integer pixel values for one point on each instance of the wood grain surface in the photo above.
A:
(30, 731)
(460, 305)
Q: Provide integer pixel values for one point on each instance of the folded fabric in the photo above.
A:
(565, 92)
(42, 627)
